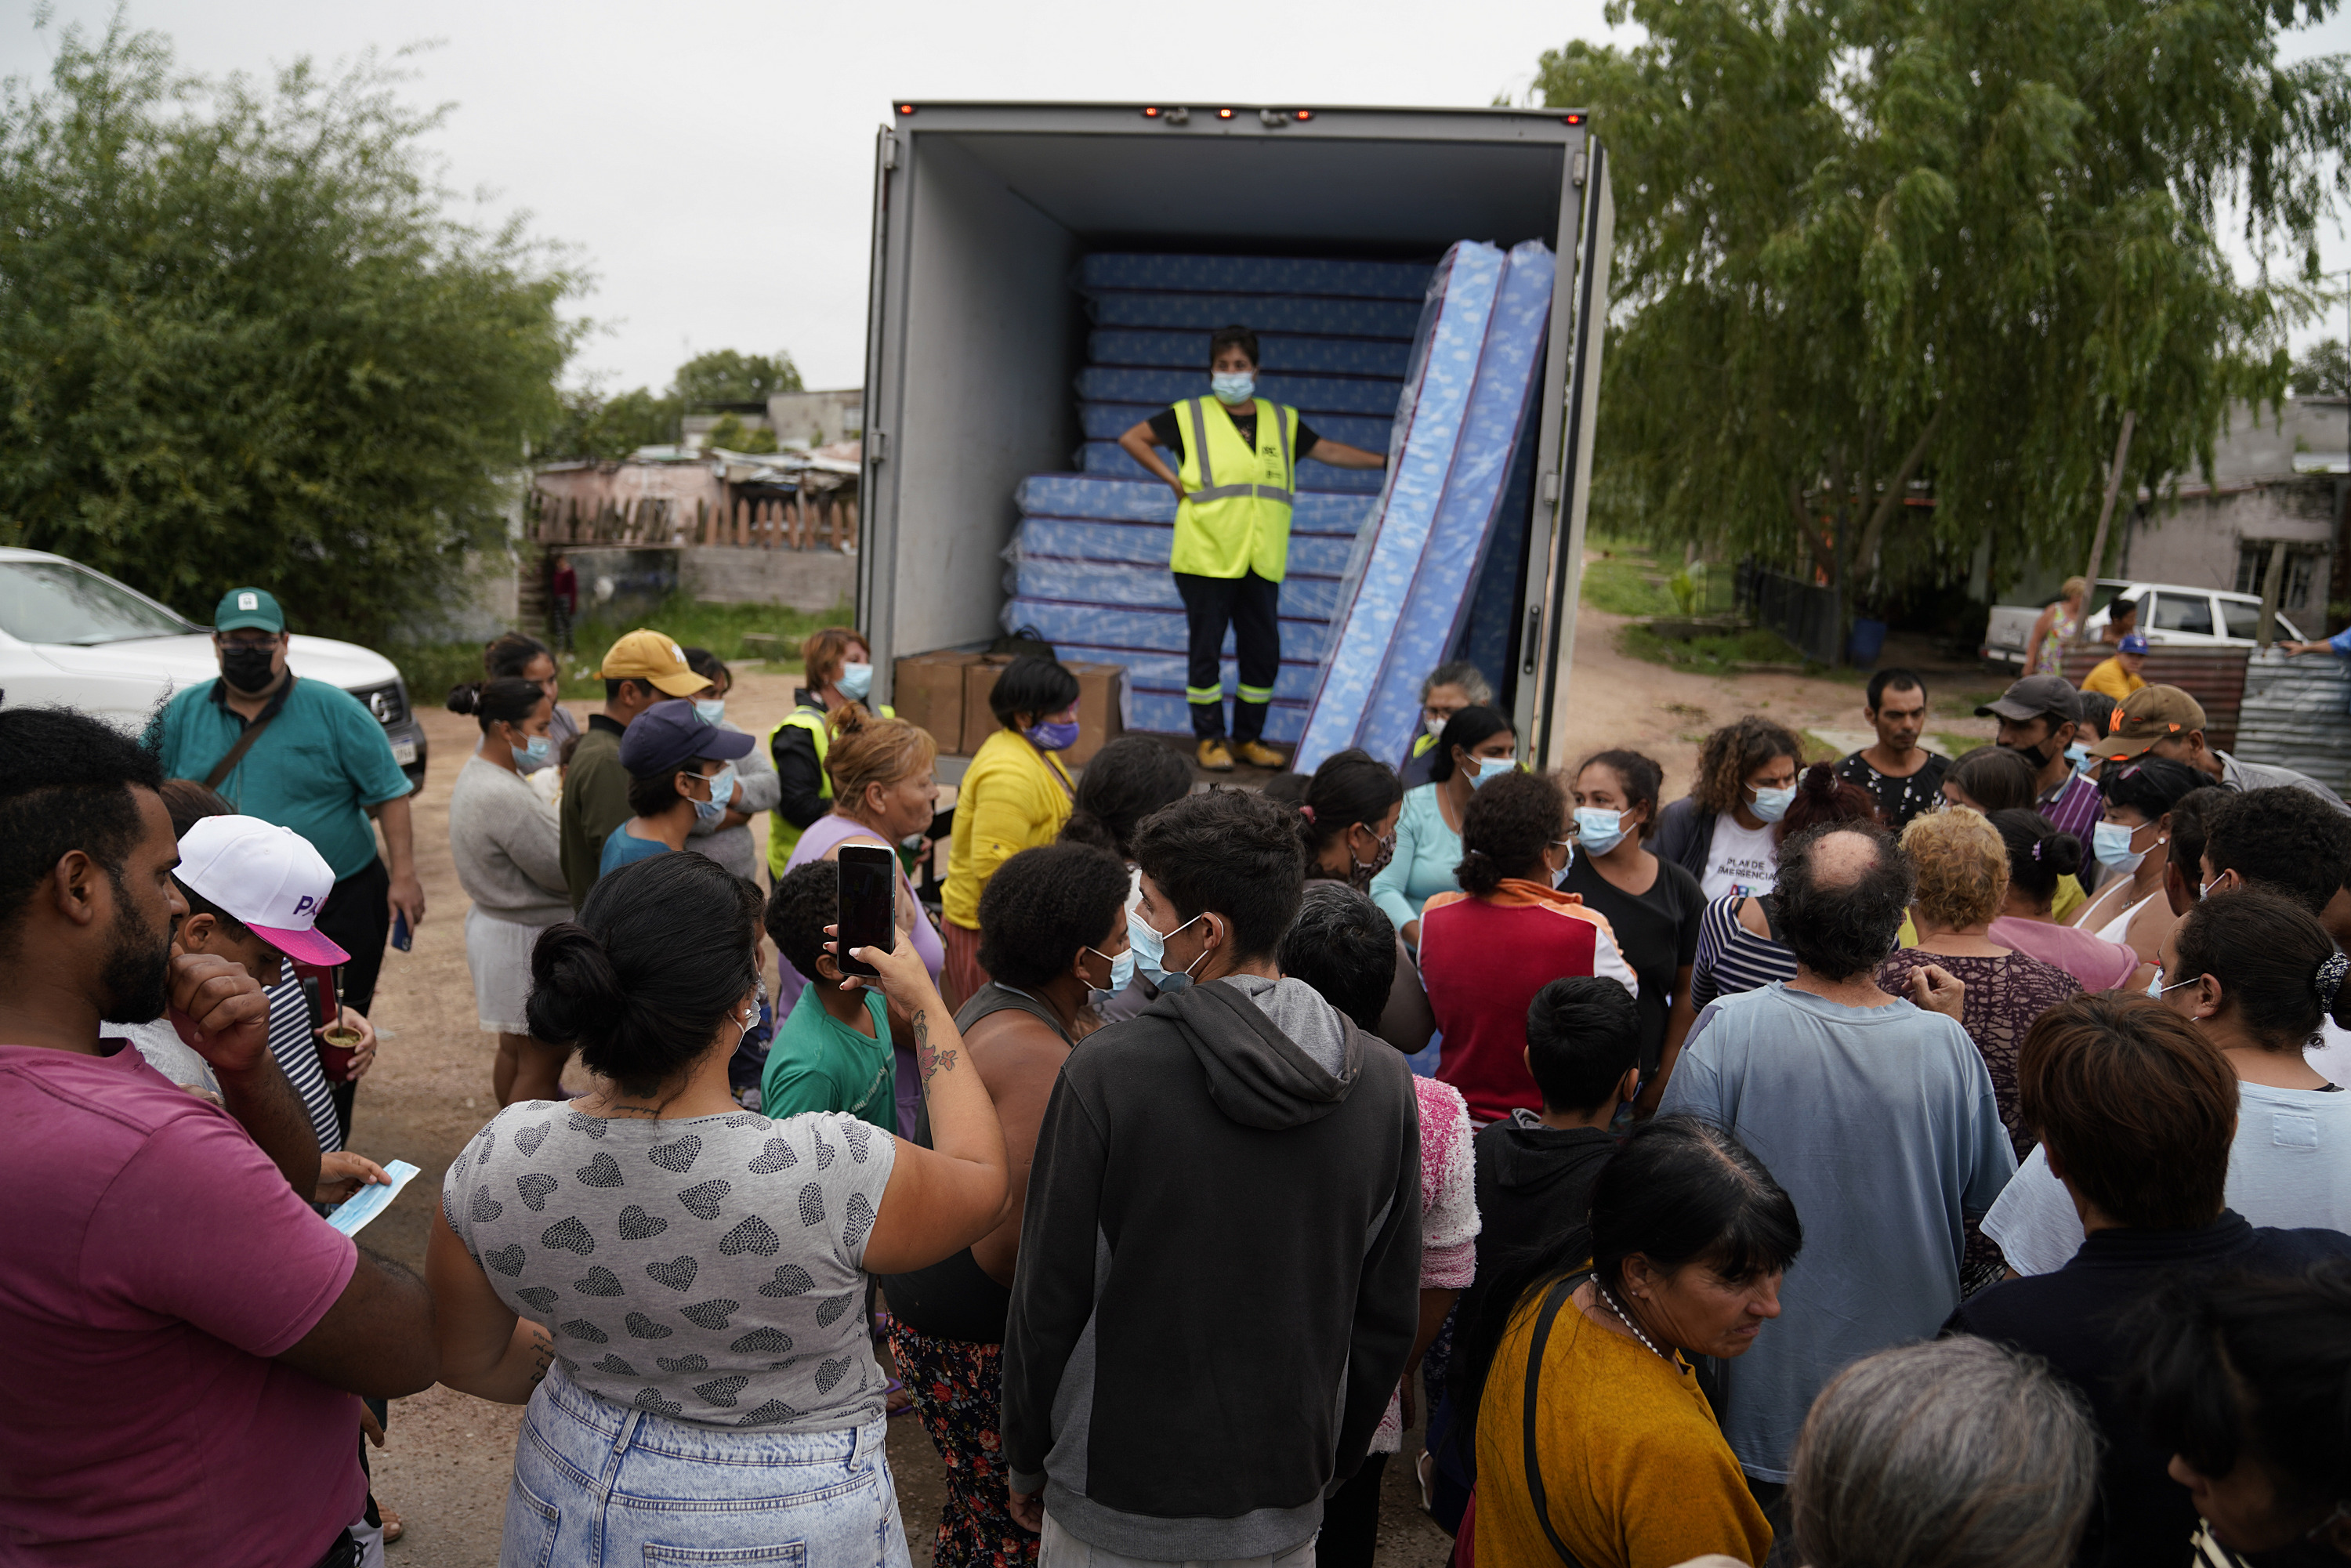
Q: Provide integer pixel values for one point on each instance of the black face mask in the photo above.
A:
(247, 669)
(2040, 756)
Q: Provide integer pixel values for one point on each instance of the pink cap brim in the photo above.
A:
(303, 946)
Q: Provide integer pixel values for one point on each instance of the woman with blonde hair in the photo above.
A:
(880, 774)
(837, 664)
(2060, 623)
(1963, 865)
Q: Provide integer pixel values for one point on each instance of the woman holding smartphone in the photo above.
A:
(671, 1283)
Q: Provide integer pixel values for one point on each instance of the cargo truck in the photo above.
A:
(976, 335)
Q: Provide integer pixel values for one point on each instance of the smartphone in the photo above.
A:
(869, 903)
(401, 938)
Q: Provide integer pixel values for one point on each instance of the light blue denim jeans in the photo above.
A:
(596, 1486)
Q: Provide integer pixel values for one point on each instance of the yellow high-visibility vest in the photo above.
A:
(1234, 515)
(782, 836)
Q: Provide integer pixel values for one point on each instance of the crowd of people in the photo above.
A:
(1890, 1161)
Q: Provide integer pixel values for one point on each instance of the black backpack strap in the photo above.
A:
(1553, 1299)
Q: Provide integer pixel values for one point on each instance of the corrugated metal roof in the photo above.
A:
(2213, 676)
(2297, 714)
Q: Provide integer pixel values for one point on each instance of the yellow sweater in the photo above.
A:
(2110, 677)
(1633, 1465)
(1013, 798)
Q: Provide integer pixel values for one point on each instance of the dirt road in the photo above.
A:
(445, 1468)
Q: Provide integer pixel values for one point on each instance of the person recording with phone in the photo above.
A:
(676, 1293)
(681, 770)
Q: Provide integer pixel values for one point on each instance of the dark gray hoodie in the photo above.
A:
(1220, 1273)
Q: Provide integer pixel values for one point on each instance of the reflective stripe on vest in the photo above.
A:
(1226, 528)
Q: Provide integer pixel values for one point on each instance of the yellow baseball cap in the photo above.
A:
(651, 656)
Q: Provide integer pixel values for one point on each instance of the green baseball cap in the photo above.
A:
(243, 609)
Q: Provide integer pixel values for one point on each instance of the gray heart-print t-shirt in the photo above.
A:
(708, 1270)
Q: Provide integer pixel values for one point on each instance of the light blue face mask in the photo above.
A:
(1598, 830)
(722, 790)
(710, 710)
(1488, 769)
(2078, 755)
(1150, 950)
(2110, 842)
(1121, 968)
(1773, 804)
(537, 749)
(855, 680)
(2156, 988)
(1233, 386)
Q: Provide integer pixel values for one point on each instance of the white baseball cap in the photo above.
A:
(267, 876)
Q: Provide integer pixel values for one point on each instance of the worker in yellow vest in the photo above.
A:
(839, 669)
(1237, 456)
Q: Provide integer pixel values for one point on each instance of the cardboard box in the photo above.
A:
(927, 690)
(1100, 706)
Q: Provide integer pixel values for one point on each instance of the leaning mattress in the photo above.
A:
(1420, 563)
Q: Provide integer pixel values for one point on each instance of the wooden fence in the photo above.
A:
(770, 522)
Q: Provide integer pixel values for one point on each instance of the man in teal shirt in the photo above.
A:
(318, 764)
(833, 1051)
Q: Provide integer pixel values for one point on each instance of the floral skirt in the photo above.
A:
(959, 1389)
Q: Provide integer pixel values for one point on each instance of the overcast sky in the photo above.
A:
(711, 162)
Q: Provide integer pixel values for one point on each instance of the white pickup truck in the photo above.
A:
(70, 635)
(2169, 614)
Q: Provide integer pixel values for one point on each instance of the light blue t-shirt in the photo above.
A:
(1426, 851)
(622, 847)
(1881, 1125)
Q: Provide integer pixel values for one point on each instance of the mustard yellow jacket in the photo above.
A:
(1013, 798)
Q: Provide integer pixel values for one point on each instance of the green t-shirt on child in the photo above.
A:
(818, 1063)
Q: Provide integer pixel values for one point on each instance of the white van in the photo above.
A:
(2170, 615)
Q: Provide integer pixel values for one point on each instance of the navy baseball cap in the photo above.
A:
(670, 734)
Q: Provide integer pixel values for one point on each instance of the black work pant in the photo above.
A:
(358, 919)
(1251, 606)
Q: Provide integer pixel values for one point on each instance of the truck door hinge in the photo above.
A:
(1577, 175)
(877, 445)
(889, 153)
(1550, 489)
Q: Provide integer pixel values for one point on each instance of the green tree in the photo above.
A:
(1865, 242)
(2324, 372)
(723, 375)
(731, 434)
(240, 341)
(605, 429)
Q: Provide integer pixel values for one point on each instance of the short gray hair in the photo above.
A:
(1463, 673)
(1958, 1453)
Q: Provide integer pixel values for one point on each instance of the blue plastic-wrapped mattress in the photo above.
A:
(1279, 353)
(1110, 459)
(1164, 272)
(1109, 421)
(1309, 394)
(1437, 566)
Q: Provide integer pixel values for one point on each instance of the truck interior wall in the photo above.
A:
(987, 297)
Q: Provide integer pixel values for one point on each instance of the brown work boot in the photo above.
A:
(1257, 754)
(1213, 755)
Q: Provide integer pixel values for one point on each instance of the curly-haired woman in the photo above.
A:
(1720, 832)
(1487, 949)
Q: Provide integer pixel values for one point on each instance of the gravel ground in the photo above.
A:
(446, 1466)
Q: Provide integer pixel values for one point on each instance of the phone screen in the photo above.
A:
(869, 886)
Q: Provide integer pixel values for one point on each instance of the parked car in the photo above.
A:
(2170, 614)
(69, 635)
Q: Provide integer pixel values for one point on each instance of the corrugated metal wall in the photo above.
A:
(2297, 714)
(2213, 676)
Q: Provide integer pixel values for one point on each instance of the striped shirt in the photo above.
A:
(2073, 807)
(296, 1048)
(1731, 959)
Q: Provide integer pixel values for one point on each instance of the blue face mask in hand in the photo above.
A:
(855, 681)
(722, 790)
(535, 748)
(1233, 386)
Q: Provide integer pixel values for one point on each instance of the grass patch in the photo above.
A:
(1626, 580)
(432, 668)
(1715, 655)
